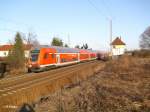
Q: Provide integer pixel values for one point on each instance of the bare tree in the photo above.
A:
(32, 40)
(145, 39)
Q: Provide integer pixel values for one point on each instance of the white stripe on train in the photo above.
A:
(64, 63)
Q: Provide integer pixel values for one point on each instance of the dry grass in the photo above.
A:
(123, 86)
(34, 91)
(141, 53)
(123, 64)
(15, 72)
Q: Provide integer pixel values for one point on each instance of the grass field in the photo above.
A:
(122, 86)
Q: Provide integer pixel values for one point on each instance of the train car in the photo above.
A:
(93, 54)
(84, 55)
(52, 56)
(102, 56)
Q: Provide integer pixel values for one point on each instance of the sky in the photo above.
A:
(75, 21)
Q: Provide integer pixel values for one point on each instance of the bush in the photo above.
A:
(141, 53)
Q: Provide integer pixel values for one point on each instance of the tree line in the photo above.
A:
(58, 42)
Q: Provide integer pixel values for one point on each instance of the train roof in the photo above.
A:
(84, 51)
(60, 49)
(93, 51)
(66, 49)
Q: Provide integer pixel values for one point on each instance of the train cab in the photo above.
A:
(33, 60)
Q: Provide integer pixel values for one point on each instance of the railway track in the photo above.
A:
(27, 77)
(10, 87)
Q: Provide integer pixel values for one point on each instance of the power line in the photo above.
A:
(107, 8)
(108, 18)
(97, 9)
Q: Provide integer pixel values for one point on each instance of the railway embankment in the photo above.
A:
(33, 87)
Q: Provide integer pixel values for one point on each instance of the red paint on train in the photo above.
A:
(58, 56)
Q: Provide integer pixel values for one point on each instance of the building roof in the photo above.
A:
(8, 47)
(118, 41)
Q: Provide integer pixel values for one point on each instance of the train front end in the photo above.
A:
(33, 64)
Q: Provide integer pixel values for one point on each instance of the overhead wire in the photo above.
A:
(107, 16)
(107, 8)
(97, 9)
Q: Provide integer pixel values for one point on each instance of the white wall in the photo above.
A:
(118, 51)
(5, 53)
(27, 53)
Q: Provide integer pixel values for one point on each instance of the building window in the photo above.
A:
(5, 53)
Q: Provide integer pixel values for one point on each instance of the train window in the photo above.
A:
(53, 55)
(34, 57)
(74, 59)
(63, 60)
(45, 55)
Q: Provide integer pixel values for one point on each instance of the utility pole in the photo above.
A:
(69, 40)
(110, 34)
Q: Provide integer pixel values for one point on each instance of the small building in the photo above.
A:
(118, 47)
(4, 50)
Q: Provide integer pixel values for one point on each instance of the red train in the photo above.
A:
(52, 56)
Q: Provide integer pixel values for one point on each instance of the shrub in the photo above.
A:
(141, 53)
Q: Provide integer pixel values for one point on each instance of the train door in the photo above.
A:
(89, 56)
(79, 57)
(58, 58)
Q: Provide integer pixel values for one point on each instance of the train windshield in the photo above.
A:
(34, 55)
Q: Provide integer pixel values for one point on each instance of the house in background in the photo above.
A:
(118, 47)
(4, 50)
